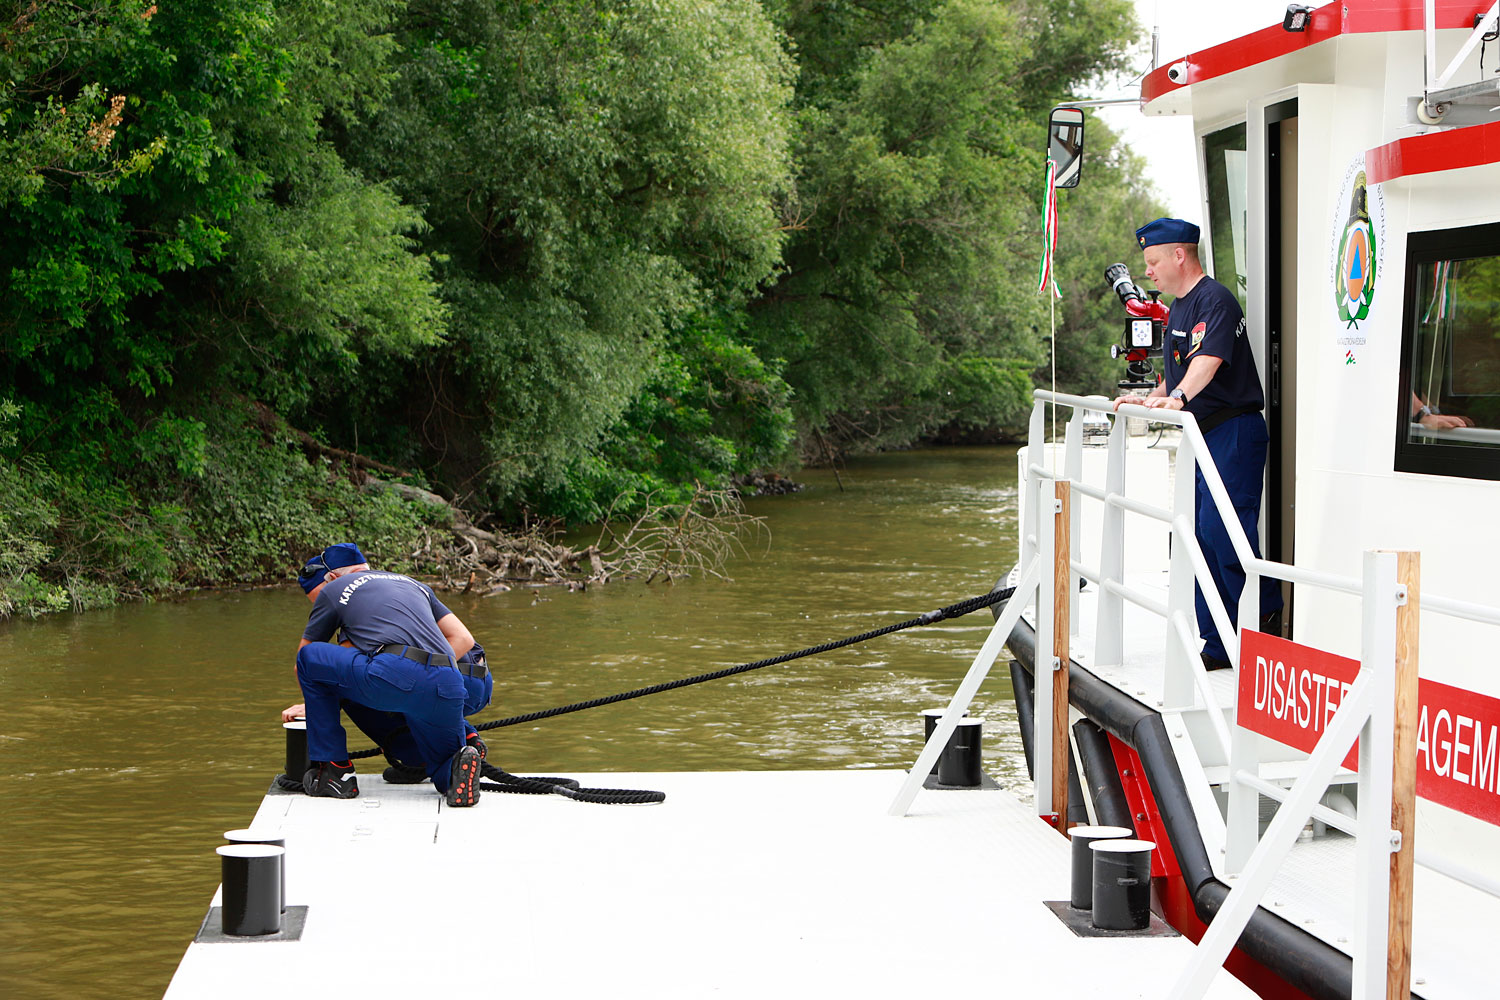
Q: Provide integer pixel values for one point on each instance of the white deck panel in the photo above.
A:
(1453, 925)
(742, 884)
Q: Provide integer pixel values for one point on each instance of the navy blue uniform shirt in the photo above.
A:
(374, 608)
(1208, 322)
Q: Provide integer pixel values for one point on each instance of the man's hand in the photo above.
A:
(1135, 399)
(1162, 403)
(293, 713)
(1444, 421)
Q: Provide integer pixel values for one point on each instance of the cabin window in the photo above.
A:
(1225, 169)
(1448, 414)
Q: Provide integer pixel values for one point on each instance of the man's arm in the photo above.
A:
(457, 635)
(1200, 372)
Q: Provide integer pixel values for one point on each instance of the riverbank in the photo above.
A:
(263, 496)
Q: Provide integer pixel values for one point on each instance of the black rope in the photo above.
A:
(957, 610)
(951, 611)
(504, 781)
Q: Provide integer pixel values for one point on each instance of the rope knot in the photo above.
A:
(933, 616)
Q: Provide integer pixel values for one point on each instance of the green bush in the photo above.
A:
(253, 513)
(711, 410)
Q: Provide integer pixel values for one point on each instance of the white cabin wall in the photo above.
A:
(1454, 523)
(1349, 497)
(1338, 401)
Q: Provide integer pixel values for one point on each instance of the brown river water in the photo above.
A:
(131, 738)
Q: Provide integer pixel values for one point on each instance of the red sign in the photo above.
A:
(1458, 749)
(1289, 693)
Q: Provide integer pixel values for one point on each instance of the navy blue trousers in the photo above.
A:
(389, 730)
(1238, 447)
(431, 700)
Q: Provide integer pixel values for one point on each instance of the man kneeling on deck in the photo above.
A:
(390, 731)
(403, 657)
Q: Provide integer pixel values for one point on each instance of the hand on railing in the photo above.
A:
(1156, 400)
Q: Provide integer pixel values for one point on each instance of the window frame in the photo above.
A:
(1424, 249)
(1218, 207)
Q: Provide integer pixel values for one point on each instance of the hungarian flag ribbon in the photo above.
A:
(1049, 233)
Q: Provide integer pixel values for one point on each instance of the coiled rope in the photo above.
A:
(506, 782)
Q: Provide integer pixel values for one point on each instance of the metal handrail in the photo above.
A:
(1482, 613)
(1339, 821)
(1134, 597)
(1137, 507)
(1250, 852)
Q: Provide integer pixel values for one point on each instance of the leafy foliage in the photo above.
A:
(541, 255)
(711, 409)
(594, 175)
(256, 509)
(906, 304)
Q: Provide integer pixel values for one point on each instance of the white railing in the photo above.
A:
(1049, 577)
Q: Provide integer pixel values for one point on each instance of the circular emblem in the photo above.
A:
(1359, 229)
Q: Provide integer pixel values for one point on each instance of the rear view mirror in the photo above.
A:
(1065, 145)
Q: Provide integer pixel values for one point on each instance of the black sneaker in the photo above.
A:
(478, 744)
(330, 781)
(1270, 623)
(404, 774)
(1214, 663)
(463, 778)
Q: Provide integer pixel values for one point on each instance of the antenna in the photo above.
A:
(1155, 34)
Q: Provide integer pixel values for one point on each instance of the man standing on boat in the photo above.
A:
(1209, 371)
(403, 657)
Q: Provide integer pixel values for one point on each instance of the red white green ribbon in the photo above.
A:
(1049, 233)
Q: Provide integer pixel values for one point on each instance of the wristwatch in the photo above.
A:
(1425, 411)
(1178, 395)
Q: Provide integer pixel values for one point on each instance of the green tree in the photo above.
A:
(594, 175)
(905, 302)
(198, 232)
(711, 409)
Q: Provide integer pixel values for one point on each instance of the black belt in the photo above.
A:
(465, 667)
(1223, 416)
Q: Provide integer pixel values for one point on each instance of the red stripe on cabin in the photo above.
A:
(1353, 17)
(1425, 154)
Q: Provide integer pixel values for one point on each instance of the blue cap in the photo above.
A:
(1166, 231)
(332, 558)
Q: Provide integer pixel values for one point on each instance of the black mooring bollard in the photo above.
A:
(297, 762)
(959, 764)
(272, 838)
(1122, 884)
(252, 889)
(930, 718)
(1081, 895)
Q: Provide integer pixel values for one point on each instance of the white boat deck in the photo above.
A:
(742, 884)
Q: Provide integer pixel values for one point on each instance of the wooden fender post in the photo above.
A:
(1061, 627)
(1404, 781)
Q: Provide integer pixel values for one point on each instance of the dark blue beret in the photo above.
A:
(1166, 231)
(332, 558)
